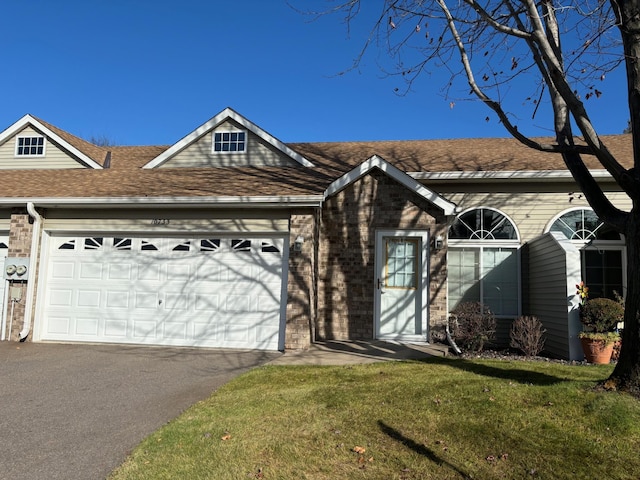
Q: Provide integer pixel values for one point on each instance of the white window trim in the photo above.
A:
(44, 146)
(579, 243)
(229, 152)
(595, 244)
(488, 244)
(500, 243)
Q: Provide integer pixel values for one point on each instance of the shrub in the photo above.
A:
(601, 315)
(473, 325)
(527, 334)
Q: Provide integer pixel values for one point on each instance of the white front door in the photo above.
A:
(402, 283)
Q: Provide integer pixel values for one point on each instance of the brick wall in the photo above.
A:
(20, 232)
(346, 256)
(301, 286)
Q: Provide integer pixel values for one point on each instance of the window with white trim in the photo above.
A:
(602, 251)
(483, 261)
(30, 146)
(230, 142)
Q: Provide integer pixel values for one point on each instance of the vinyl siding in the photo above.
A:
(530, 211)
(159, 222)
(5, 220)
(199, 153)
(554, 269)
(54, 158)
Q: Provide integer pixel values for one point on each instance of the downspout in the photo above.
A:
(31, 285)
(450, 339)
(4, 309)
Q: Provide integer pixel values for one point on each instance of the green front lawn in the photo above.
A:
(440, 419)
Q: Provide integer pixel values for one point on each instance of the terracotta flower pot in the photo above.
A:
(597, 351)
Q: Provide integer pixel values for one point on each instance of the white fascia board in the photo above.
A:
(171, 202)
(205, 128)
(488, 176)
(399, 176)
(29, 120)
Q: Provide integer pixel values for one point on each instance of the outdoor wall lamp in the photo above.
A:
(438, 242)
(297, 244)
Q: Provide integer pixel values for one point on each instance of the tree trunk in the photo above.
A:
(626, 375)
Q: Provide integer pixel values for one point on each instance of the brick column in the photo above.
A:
(20, 234)
(300, 283)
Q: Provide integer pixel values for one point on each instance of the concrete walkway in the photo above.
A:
(353, 352)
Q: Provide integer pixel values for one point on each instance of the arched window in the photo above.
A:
(583, 225)
(602, 250)
(482, 224)
(483, 261)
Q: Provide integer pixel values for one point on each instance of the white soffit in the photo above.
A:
(29, 120)
(227, 113)
(405, 180)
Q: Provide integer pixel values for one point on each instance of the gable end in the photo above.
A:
(197, 148)
(28, 144)
(447, 207)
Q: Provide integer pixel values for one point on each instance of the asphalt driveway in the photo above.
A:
(76, 411)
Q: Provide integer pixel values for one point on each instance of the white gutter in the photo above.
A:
(31, 285)
(4, 309)
(152, 202)
(524, 175)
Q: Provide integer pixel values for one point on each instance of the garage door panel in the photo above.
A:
(237, 304)
(175, 331)
(146, 300)
(87, 326)
(211, 292)
(90, 271)
(176, 302)
(147, 271)
(144, 329)
(59, 325)
(62, 270)
(115, 329)
(116, 299)
(61, 298)
(120, 271)
(88, 298)
(204, 302)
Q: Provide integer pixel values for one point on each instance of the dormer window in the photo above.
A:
(32, 146)
(229, 142)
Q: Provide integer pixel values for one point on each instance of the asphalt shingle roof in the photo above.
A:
(124, 177)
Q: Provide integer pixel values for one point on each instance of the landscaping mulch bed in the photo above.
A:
(509, 354)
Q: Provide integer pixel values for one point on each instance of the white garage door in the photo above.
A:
(213, 292)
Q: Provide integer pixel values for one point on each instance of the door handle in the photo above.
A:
(380, 284)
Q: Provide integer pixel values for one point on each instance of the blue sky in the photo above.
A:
(142, 72)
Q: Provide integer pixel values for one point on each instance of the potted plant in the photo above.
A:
(600, 317)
